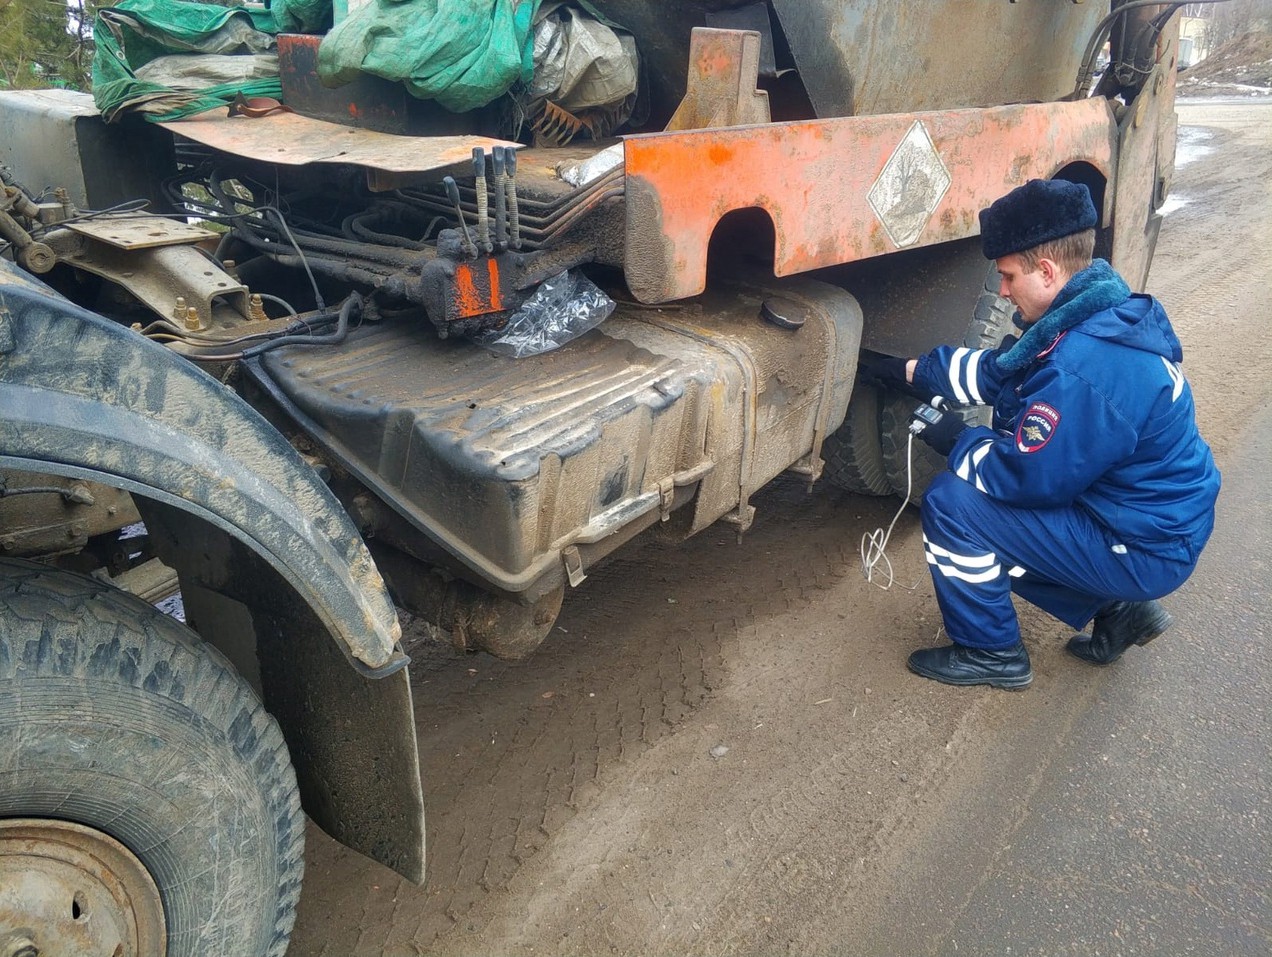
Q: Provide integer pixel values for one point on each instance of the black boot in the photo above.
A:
(1117, 627)
(961, 665)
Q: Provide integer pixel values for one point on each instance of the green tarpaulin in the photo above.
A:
(461, 53)
(135, 32)
(302, 16)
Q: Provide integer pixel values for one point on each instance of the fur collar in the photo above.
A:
(1094, 289)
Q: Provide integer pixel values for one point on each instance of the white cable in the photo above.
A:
(873, 544)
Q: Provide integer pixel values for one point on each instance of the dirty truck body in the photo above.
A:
(304, 475)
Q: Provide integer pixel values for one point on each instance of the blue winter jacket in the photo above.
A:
(1100, 416)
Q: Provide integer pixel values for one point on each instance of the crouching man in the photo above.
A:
(1093, 494)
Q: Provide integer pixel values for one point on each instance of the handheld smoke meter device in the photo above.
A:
(928, 413)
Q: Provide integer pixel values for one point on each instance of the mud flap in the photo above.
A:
(1145, 163)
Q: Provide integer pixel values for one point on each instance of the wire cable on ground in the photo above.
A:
(874, 557)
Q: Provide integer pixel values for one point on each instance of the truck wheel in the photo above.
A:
(991, 318)
(853, 459)
(142, 785)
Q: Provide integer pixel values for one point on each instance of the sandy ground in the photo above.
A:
(719, 750)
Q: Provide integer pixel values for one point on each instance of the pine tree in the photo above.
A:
(46, 43)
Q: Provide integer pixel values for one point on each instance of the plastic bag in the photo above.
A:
(586, 72)
(561, 309)
(580, 62)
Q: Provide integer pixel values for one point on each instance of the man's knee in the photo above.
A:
(948, 501)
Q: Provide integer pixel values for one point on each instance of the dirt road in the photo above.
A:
(720, 750)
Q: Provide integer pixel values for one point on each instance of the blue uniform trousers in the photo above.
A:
(980, 550)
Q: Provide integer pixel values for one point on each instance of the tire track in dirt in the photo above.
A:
(665, 873)
(1207, 281)
(511, 752)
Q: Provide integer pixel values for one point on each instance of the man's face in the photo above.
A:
(1030, 292)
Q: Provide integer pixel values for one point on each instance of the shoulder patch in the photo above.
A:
(1037, 426)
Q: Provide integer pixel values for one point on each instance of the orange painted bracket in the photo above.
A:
(843, 189)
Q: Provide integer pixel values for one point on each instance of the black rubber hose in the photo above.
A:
(330, 266)
(351, 305)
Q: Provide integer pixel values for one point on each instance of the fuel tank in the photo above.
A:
(525, 470)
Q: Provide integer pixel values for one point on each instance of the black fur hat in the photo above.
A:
(1038, 212)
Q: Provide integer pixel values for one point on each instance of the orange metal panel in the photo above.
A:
(822, 182)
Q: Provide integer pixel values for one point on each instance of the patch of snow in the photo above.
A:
(1192, 144)
(174, 607)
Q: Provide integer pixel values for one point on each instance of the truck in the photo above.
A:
(288, 355)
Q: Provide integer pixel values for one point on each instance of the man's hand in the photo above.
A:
(886, 372)
(942, 434)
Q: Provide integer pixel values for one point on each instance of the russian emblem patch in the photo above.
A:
(1037, 426)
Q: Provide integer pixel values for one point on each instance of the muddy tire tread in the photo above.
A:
(66, 635)
(852, 456)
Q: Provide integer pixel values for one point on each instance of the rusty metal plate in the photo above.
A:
(295, 140)
(724, 68)
(845, 189)
(140, 232)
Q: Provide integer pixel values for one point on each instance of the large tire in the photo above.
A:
(853, 459)
(119, 721)
(991, 319)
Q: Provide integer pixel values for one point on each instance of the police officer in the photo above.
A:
(1093, 493)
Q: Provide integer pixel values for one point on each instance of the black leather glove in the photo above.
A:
(886, 372)
(942, 434)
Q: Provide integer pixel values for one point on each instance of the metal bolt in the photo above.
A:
(37, 257)
(179, 310)
(80, 495)
(192, 321)
(256, 306)
(20, 946)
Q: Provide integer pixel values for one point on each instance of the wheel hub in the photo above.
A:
(70, 889)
